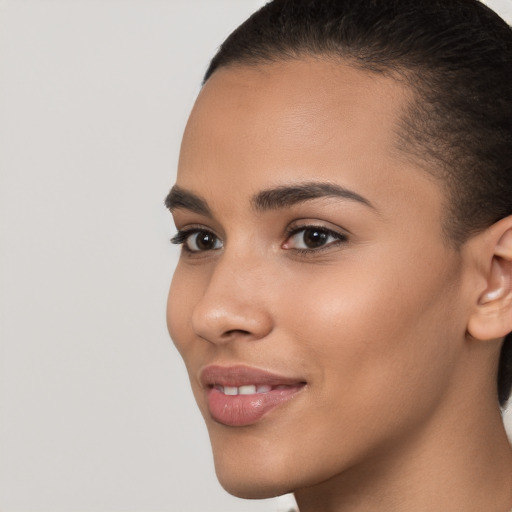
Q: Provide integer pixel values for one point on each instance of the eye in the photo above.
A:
(307, 238)
(197, 240)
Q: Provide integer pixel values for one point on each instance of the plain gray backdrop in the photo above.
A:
(96, 414)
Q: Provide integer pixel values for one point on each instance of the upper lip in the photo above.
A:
(241, 375)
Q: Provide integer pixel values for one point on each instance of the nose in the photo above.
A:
(234, 305)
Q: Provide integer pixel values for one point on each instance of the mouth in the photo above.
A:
(239, 396)
(248, 389)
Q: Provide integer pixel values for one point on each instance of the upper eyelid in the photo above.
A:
(298, 229)
(337, 230)
(190, 228)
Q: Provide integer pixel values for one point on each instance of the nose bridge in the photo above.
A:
(233, 304)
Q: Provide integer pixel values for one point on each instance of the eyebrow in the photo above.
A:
(285, 196)
(270, 199)
(181, 199)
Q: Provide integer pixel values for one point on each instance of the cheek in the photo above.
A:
(378, 363)
(180, 304)
(376, 334)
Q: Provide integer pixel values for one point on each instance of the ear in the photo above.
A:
(491, 317)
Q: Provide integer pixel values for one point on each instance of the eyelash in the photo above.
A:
(182, 237)
(338, 238)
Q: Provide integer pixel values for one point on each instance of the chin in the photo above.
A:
(250, 488)
(245, 473)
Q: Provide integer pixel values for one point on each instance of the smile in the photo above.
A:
(241, 396)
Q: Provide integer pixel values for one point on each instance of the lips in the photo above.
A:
(240, 396)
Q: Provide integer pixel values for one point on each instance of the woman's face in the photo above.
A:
(316, 303)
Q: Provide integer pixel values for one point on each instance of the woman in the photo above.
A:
(343, 298)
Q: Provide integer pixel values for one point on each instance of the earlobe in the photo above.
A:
(492, 315)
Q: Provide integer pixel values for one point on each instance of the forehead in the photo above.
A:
(255, 127)
(300, 102)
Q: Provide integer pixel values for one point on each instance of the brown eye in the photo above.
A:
(202, 241)
(312, 237)
(197, 240)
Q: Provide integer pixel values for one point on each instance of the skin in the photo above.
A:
(399, 411)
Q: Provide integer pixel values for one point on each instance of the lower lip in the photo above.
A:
(243, 410)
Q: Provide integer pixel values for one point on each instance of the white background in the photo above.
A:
(95, 409)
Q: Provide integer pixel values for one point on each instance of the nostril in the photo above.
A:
(236, 332)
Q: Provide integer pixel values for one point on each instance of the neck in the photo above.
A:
(461, 464)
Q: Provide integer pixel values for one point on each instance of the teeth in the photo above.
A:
(250, 389)
(247, 390)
